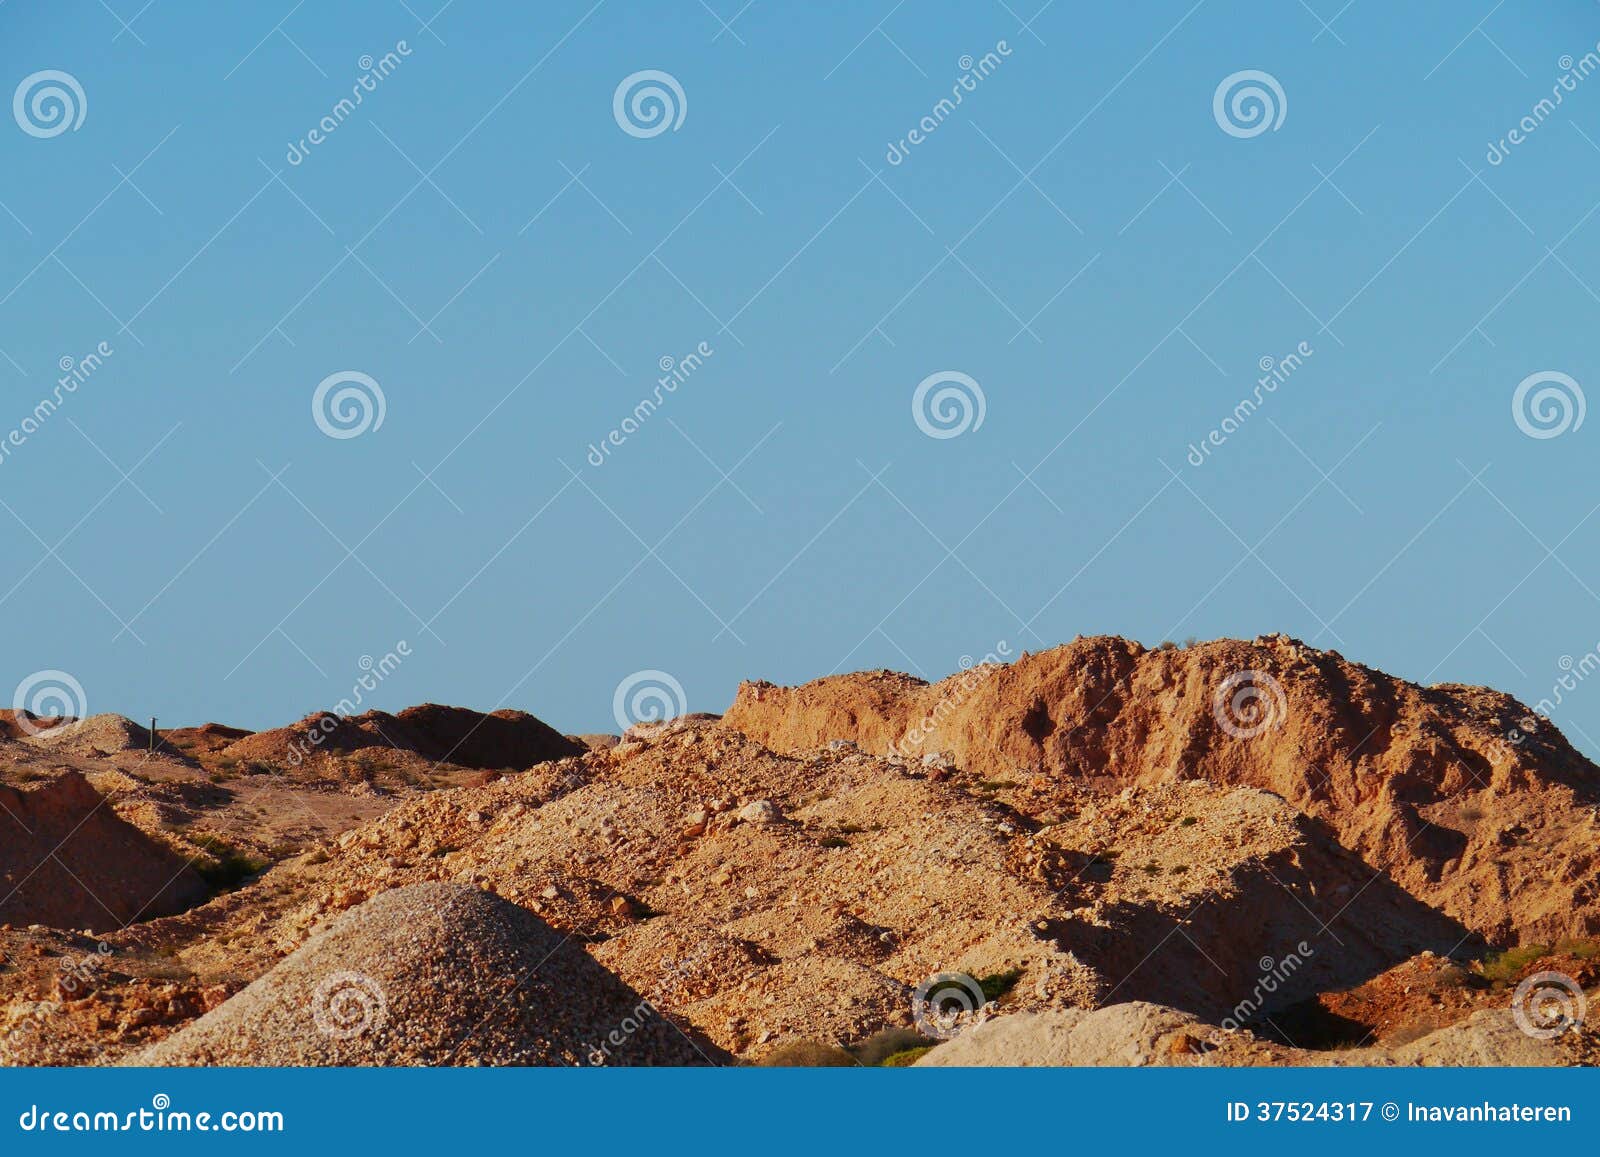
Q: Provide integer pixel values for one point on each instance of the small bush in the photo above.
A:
(1505, 966)
(1187, 822)
(833, 842)
(997, 984)
(909, 1057)
(806, 1054)
(886, 1043)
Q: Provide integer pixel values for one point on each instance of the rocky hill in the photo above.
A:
(1231, 853)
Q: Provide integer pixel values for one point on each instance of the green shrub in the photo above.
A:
(1502, 967)
(997, 984)
(909, 1057)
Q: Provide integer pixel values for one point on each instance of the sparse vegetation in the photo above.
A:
(229, 867)
(884, 1045)
(904, 1059)
(1504, 967)
(805, 1054)
(997, 984)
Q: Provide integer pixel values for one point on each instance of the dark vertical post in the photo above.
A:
(152, 733)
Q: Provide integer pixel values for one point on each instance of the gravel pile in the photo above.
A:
(434, 974)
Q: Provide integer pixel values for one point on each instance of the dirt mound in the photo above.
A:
(208, 739)
(1469, 800)
(720, 879)
(20, 724)
(321, 733)
(500, 739)
(455, 735)
(1430, 992)
(97, 735)
(67, 860)
(428, 975)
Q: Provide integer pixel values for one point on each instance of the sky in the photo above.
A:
(378, 386)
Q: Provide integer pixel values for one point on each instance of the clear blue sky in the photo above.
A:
(1079, 236)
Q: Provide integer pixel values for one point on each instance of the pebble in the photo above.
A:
(761, 811)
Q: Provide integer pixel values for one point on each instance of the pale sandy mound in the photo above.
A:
(67, 860)
(434, 974)
(97, 735)
(1141, 1034)
(1462, 794)
(1134, 1034)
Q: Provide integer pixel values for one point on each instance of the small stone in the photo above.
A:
(622, 907)
(550, 893)
(761, 811)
